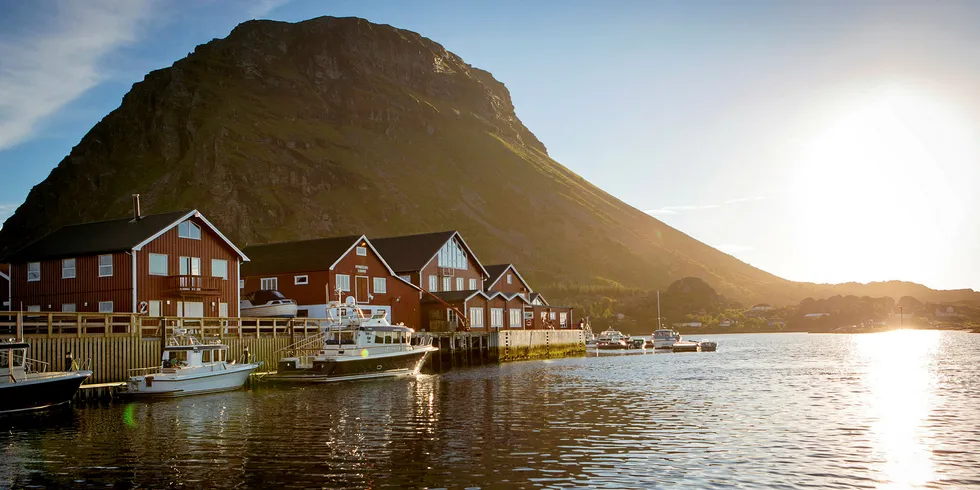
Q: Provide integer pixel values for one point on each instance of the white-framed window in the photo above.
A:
(362, 251)
(496, 317)
(433, 283)
(380, 285)
(301, 280)
(241, 284)
(553, 315)
(269, 283)
(68, 268)
(33, 272)
(343, 282)
(34, 308)
(190, 266)
(447, 283)
(563, 319)
(510, 279)
(219, 268)
(406, 278)
(105, 265)
(68, 307)
(460, 283)
(473, 284)
(515, 318)
(154, 309)
(105, 306)
(452, 255)
(189, 229)
(476, 317)
(223, 310)
(158, 265)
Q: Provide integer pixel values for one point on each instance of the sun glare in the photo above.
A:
(872, 173)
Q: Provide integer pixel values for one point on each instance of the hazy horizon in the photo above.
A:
(821, 143)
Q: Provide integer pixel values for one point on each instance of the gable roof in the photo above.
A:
(411, 253)
(318, 254)
(534, 296)
(107, 236)
(452, 296)
(497, 271)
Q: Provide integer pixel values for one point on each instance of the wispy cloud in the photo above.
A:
(671, 210)
(261, 8)
(46, 67)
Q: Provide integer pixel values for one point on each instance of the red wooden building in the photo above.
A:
(311, 272)
(4, 287)
(173, 264)
(538, 314)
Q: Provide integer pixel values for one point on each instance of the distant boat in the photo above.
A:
(612, 339)
(665, 338)
(24, 384)
(267, 303)
(190, 368)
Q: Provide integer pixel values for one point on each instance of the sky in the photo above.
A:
(826, 141)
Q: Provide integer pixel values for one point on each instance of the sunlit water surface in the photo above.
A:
(893, 410)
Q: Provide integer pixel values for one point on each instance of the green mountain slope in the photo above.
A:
(338, 126)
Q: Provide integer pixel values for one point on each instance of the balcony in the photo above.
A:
(194, 285)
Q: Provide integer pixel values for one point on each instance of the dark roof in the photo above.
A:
(97, 237)
(495, 271)
(534, 296)
(411, 253)
(302, 256)
(450, 296)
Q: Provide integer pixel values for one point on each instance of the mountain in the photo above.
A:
(337, 126)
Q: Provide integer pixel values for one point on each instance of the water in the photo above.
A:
(892, 410)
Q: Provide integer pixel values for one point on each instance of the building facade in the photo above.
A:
(316, 272)
(173, 264)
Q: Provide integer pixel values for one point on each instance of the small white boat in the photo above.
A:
(24, 384)
(665, 338)
(612, 339)
(267, 304)
(355, 346)
(190, 368)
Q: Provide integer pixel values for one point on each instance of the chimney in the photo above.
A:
(136, 208)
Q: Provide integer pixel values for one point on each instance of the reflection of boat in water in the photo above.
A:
(665, 338)
(267, 303)
(24, 384)
(355, 346)
(190, 368)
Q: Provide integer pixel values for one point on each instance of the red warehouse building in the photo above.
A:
(311, 272)
(538, 314)
(173, 264)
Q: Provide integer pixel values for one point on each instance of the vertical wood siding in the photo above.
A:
(86, 287)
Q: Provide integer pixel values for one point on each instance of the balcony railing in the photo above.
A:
(195, 285)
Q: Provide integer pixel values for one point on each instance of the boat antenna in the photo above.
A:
(660, 325)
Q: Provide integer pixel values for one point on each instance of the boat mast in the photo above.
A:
(660, 325)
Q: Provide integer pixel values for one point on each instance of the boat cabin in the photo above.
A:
(13, 359)
(192, 356)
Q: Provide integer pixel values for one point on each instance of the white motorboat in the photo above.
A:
(612, 339)
(267, 304)
(355, 346)
(190, 368)
(665, 338)
(25, 385)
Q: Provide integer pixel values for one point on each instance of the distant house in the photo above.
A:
(315, 272)
(761, 307)
(173, 264)
(946, 311)
(688, 325)
(814, 316)
(4, 287)
(726, 323)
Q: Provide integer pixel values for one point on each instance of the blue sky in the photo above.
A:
(822, 141)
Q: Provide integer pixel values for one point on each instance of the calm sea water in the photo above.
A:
(892, 410)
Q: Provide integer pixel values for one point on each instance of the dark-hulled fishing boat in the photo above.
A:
(24, 384)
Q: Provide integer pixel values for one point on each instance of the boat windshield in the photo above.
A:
(264, 296)
(339, 337)
(175, 358)
(391, 338)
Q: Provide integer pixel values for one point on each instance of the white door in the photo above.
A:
(154, 308)
(193, 309)
(223, 310)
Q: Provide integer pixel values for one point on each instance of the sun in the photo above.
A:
(874, 176)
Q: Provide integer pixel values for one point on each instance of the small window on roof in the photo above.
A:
(362, 251)
(189, 229)
(510, 279)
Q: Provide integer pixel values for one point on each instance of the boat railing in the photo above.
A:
(144, 371)
(35, 366)
(81, 365)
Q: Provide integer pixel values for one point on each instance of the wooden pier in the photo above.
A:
(113, 344)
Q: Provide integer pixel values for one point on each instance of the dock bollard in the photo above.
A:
(68, 361)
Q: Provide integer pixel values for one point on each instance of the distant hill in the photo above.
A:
(337, 126)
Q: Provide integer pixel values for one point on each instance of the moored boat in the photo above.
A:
(355, 346)
(709, 346)
(190, 368)
(665, 338)
(267, 303)
(25, 385)
(612, 339)
(686, 346)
